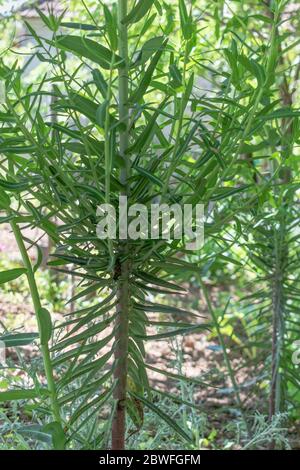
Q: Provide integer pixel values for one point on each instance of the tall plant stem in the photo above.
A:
(281, 249)
(123, 305)
(277, 325)
(108, 156)
(37, 308)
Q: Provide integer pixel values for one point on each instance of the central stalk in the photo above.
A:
(122, 264)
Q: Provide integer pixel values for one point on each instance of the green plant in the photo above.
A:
(130, 122)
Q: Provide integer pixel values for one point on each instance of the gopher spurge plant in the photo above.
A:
(130, 120)
(271, 242)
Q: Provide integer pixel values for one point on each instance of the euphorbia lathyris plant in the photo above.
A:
(129, 121)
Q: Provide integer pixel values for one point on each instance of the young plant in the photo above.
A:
(130, 123)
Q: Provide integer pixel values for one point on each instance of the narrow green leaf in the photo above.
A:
(4, 200)
(179, 377)
(226, 192)
(171, 334)
(142, 140)
(7, 276)
(21, 186)
(150, 176)
(111, 26)
(177, 399)
(101, 113)
(176, 76)
(11, 395)
(281, 113)
(45, 325)
(160, 308)
(100, 82)
(164, 417)
(149, 48)
(89, 49)
(138, 12)
(139, 93)
(81, 26)
(185, 20)
(18, 339)
(36, 432)
(156, 280)
(253, 67)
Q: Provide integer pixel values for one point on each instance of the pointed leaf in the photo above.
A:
(6, 276)
(45, 325)
(164, 417)
(138, 12)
